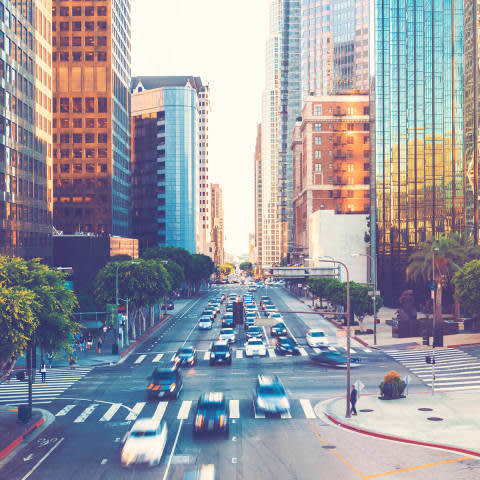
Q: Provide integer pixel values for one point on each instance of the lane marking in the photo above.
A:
(140, 359)
(64, 410)
(160, 410)
(104, 461)
(286, 414)
(157, 358)
(266, 337)
(234, 409)
(206, 355)
(107, 416)
(303, 352)
(135, 411)
(173, 357)
(307, 408)
(184, 410)
(271, 353)
(165, 476)
(43, 459)
(239, 354)
(86, 413)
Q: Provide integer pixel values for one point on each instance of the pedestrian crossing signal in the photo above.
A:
(430, 360)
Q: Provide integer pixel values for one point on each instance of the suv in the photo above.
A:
(212, 413)
(164, 382)
(220, 352)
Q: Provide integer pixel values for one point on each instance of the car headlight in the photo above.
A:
(227, 354)
(172, 387)
(261, 403)
(212, 355)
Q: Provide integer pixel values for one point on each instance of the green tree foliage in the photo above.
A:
(246, 266)
(175, 274)
(467, 281)
(360, 302)
(178, 255)
(202, 267)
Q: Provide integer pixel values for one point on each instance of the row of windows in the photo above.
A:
(18, 212)
(23, 162)
(15, 25)
(20, 238)
(79, 122)
(64, 138)
(15, 106)
(22, 187)
(80, 153)
(16, 133)
(18, 81)
(77, 11)
(80, 56)
(78, 168)
(77, 104)
(15, 52)
(77, 26)
(96, 184)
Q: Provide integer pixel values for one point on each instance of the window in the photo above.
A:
(318, 167)
(366, 154)
(318, 140)
(102, 105)
(89, 41)
(65, 168)
(89, 11)
(102, 41)
(90, 168)
(89, 138)
(90, 152)
(77, 168)
(101, 56)
(318, 154)
(64, 41)
(77, 138)
(89, 123)
(64, 138)
(89, 26)
(77, 56)
(77, 105)
(317, 110)
(64, 26)
(103, 167)
(76, 26)
(76, 41)
(350, 167)
(77, 123)
(101, 11)
(64, 11)
(366, 166)
(318, 127)
(89, 57)
(64, 56)
(102, 25)
(77, 152)
(365, 139)
(64, 105)
(102, 153)
(64, 153)
(64, 123)
(102, 138)
(89, 105)
(76, 11)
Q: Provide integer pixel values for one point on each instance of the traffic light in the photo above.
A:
(426, 339)
(430, 360)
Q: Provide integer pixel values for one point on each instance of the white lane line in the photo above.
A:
(307, 408)
(160, 410)
(140, 359)
(104, 461)
(184, 410)
(64, 411)
(234, 409)
(302, 351)
(43, 459)
(207, 472)
(135, 411)
(257, 414)
(239, 354)
(286, 414)
(173, 357)
(289, 331)
(157, 358)
(206, 355)
(107, 416)
(271, 353)
(86, 413)
(452, 382)
(266, 337)
(165, 476)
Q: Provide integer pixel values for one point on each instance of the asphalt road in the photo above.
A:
(93, 414)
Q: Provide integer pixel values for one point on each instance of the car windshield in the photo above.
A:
(254, 330)
(226, 331)
(143, 433)
(276, 315)
(185, 351)
(273, 389)
(317, 334)
(255, 342)
(164, 376)
(219, 348)
(286, 341)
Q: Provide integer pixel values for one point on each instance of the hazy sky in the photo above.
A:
(223, 42)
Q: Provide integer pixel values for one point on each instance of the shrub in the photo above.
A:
(392, 386)
(391, 376)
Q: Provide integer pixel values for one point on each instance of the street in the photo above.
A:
(93, 412)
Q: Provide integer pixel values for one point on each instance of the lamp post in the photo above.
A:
(374, 274)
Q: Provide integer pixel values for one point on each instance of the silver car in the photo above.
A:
(227, 334)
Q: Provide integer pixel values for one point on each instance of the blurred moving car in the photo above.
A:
(316, 338)
(278, 329)
(227, 334)
(212, 414)
(255, 346)
(220, 352)
(144, 443)
(164, 382)
(270, 395)
(286, 346)
(227, 320)
(185, 356)
(333, 358)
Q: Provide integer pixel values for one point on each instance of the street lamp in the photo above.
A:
(374, 274)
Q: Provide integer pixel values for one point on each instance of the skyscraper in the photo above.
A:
(91, 125)
(26, 129)
(334, 46)
(420, 172)
(281, 106)
(165, 129)
(218, 231)
(258, 194)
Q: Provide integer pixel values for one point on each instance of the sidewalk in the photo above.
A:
(13, 431)
(452, 420)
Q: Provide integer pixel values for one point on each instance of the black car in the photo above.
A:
(286, 346)
(164, 382)
(278, 329)
(220, 352)
(212, 414)
(170, 305)
(227, 321)
(332, 358)
(185, 356)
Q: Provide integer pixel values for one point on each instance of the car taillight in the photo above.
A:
(199, 421)
(221, 421)
(150, 386)
(172, 387)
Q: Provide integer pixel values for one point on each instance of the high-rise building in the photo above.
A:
(334, 46)
(258, 194)
(218, 232)
(420, 172)
(91, 116)
(281, 106)
(165, 130)
(26, 129)
(331, 160)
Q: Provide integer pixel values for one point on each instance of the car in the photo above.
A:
(255, 346)
(264, 297)
(253, 331)
(249, 322)
(333, 358)
(209, 313)
(205, 324)
(185, 356)
(316, 338)
(286, 346)
(220, 352)
(212, 414)
(270, 395)
(170, 305)
(227, 320)
(164, 382)
(144, 443)
(227, 334)
(278, 329)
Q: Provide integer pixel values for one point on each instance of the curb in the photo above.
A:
(385, 436)
(19, 439)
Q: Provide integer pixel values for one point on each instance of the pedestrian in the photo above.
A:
(50, 359)
(43, 371)
(99, 345)
(72, 363)
(104, 331)
(353, 399)
(89, 341)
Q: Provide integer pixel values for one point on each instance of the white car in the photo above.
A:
(227, 334)
(255, 346)
(316, 338)
(205, 324)
(144, 443)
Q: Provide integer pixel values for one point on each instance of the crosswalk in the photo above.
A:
(80, 413)
(238, 353)
(454, 368)
(58, 380)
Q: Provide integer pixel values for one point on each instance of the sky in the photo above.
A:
(223, 42)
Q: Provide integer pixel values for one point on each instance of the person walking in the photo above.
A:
(353, 399)
(50, 359)
(43, 372)
(99, 345)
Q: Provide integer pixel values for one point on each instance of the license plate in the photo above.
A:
(220, 359)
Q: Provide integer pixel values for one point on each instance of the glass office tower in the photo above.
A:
(419, 130)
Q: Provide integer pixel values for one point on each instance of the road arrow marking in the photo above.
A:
(29, 457)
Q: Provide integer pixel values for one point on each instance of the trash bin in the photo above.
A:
(114, 348)
(24, 413)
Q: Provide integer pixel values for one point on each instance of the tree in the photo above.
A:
(201, 267)
(360, 302)
(175, 274)
(318, 286)
(246, 266)
(165, 256)
(179, 255)
(467, 280)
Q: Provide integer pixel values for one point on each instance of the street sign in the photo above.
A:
(360, 385)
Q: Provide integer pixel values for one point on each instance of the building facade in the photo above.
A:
(258, 194)
(421, 181)
(217, 226)
(331, 165)
(91, 116)
(26, 129)
(280, 107)
(165, 161)
(334, 46)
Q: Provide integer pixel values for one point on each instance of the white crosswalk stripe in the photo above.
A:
(239, 354)
(110, 412)
(157, 358)
(58, 380)
(184, 410)
(85, 414)
(160, 410)
(271, 352)
(140, 359)
(234, 409)
(138, 407)
(64, 410)
(454, 369)
(307, 408)
(303, 352)
(206, 355)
